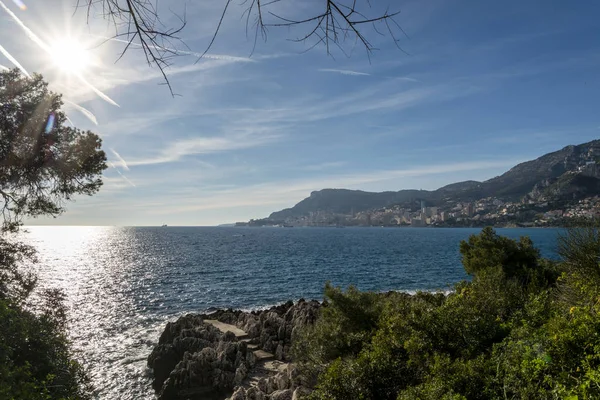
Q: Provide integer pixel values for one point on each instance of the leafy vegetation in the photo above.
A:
(43, 163)
(523, 328)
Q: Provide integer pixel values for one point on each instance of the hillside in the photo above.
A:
(344, 201)
(574, 186)
(521, 179)
(564, 174)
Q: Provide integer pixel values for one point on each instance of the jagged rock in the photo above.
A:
(195, 360)
(239, 394)
(262, 385)
(300, 392)
(273, 327)
(286, 394)
(279, 352)
(174, 329)
(293, 375)
(191, 338)
(254, 394)
(162, 360)
(240, 374)
(282, 380)
(212, 369)
(271, 385)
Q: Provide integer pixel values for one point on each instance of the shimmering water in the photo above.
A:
(123, 284)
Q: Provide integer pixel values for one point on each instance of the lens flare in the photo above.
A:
(49, 50)
(20, 4)
(50, 123)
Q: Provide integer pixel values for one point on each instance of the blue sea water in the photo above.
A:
(123, 284)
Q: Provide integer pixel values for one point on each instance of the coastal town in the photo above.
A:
(489, 211)
(558, 189)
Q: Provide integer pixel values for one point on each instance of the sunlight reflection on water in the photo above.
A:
(92, 265)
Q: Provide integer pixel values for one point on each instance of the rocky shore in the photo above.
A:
(232, 354)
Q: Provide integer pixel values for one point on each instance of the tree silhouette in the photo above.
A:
(43, 162)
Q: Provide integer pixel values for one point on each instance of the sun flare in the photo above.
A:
(70, 56)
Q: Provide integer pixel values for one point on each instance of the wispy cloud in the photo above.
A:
(119, 78)
(126, 179)
(344, 72)
(186, 52)
(122, 162)
(204, 145)
(97, 91)
(376, 98)
(27, 31)
(286, 193)
(14, 61)
(407, 79)
(324, 166)
(89, 115)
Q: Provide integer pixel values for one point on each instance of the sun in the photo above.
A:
(70, 56)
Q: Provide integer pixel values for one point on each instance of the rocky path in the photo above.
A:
(247, 354)
(265, 363)
(223, 327)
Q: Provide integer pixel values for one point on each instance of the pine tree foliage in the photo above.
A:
(43, 163)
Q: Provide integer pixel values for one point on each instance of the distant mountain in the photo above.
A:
(520, 180)
(564, 174)
(344, 201)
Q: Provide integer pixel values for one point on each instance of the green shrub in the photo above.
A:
(523, 328)
(36, 359)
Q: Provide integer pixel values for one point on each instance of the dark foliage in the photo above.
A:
(516, 331)
(43, 163)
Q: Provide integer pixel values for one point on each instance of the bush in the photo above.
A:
(523, 328)
(37, 361)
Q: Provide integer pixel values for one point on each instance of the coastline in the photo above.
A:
(508, 226)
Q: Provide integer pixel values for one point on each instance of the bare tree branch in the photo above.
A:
(138, 22)
(339, 22)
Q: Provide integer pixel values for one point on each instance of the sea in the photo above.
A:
(123, 284)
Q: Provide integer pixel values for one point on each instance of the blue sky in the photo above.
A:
(485, 85)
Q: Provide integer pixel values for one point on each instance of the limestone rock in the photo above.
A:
(240, 374)
(282, 381)
(239, 394)
(286, 394)
(255, 394)
(262, 385)
(195, 360)
(300, 393)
